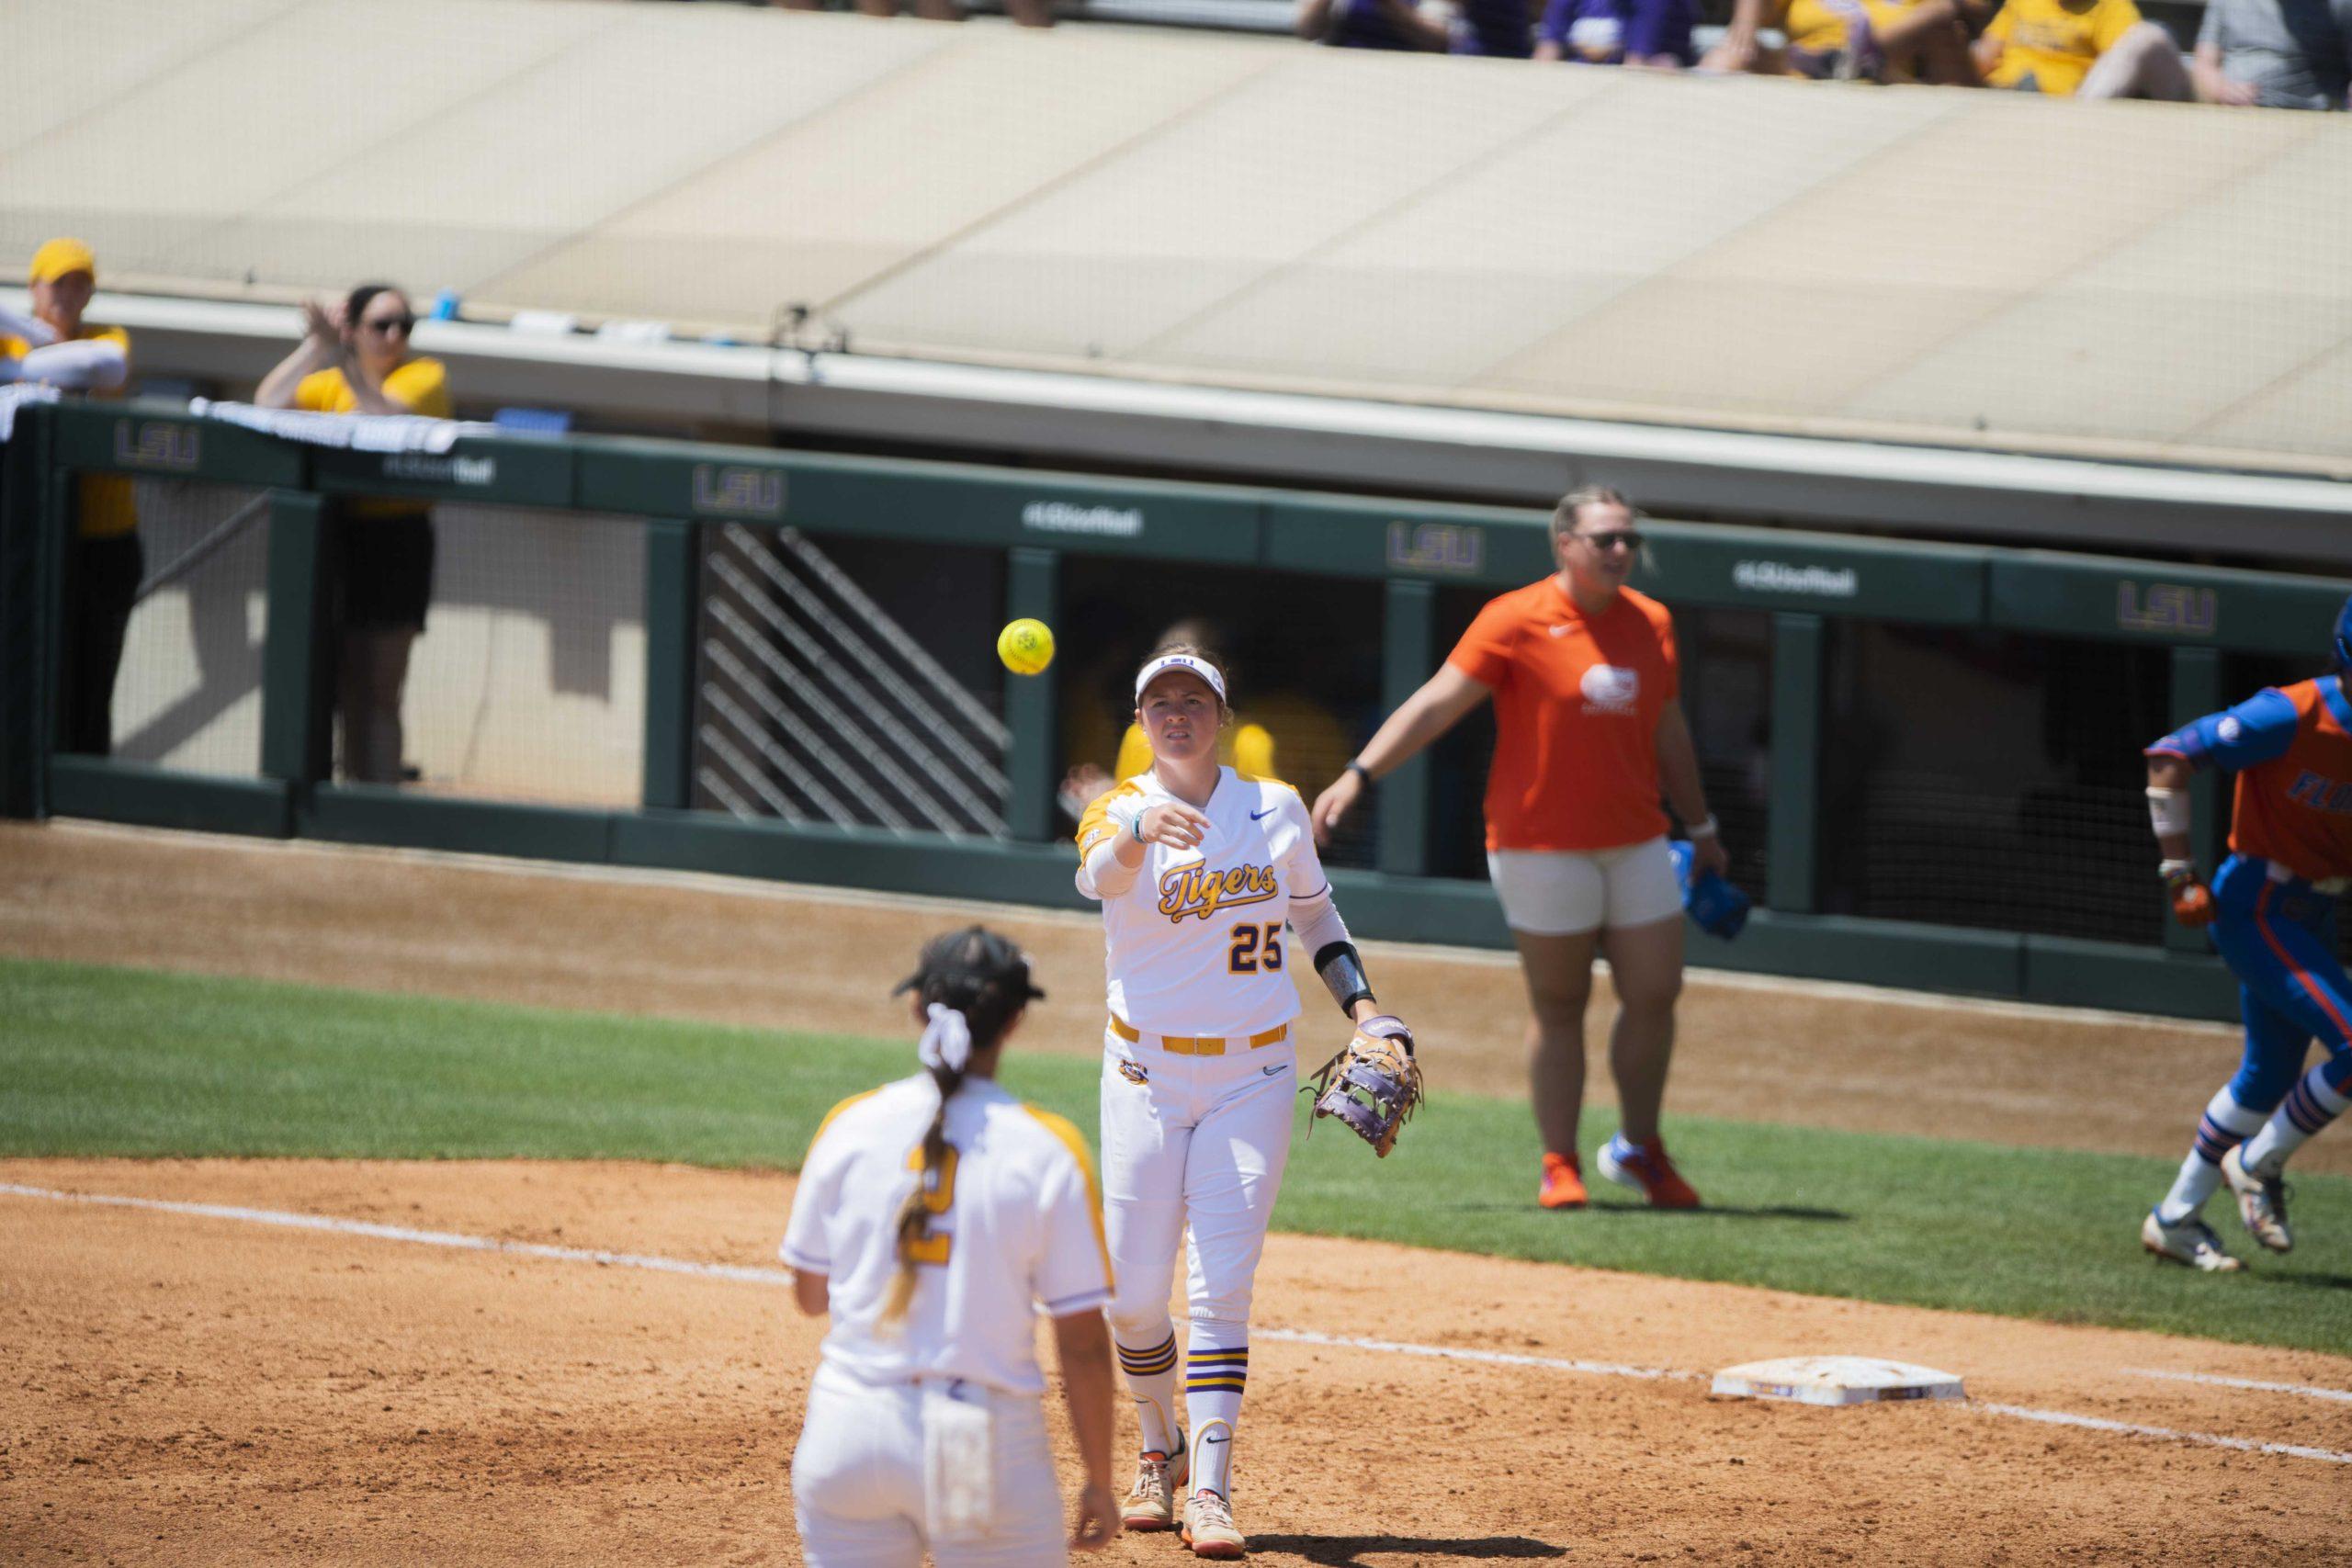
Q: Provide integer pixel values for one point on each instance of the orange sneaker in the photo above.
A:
(1563, 1183)
(1648, 1171)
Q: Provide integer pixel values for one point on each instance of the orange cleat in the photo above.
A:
(1563, 1183)
(1648, 1171)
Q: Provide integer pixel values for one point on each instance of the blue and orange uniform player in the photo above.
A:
(2271, 910)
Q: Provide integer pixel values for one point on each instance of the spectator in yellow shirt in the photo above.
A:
(355, 358)
(2085, 48)
(1871, 40)
(55, 346)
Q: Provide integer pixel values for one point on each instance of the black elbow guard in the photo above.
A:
(1342, 970)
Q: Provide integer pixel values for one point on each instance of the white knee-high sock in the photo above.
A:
(2225, 1122)
(1217, 1370)
(2309, 1106)
(1151, 1379)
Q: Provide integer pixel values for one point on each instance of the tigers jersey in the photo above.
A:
(1196, 946)
(1017, 1220)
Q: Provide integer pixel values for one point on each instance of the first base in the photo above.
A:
(1835, 1380)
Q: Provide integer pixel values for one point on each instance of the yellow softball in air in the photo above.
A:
(1025, 646)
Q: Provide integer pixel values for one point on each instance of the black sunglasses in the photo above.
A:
(1628, 537)
(388, 324)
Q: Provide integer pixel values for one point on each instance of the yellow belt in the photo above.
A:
(1198, 1044)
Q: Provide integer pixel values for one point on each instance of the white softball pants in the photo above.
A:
(1200, 1140)
(857, 1487)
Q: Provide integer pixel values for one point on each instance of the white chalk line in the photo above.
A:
(2099, 1424)
(743, 1275)
(404, 1232)
(1456, 1353)
(2341, 1396)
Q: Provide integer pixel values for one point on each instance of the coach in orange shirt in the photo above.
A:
(1588, 725)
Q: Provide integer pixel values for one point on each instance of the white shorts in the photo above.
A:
(857, 1481)
(1568, 892)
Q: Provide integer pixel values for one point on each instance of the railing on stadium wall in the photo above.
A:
(844, 751)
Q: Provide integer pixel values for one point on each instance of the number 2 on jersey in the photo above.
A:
(938, 1195)
(1253, 945)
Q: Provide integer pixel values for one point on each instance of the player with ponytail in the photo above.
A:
(933, 1216)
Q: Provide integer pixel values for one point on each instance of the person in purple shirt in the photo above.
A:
(1655, 33)
(1492, 26)
(1370, 24)
(1479, 27)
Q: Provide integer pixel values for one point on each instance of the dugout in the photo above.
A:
(779, 664)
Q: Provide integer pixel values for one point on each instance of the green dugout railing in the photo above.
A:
(1805, 583)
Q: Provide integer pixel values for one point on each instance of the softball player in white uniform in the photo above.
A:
(933, 1216)
(1197, 868)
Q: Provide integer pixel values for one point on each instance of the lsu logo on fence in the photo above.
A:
(1200, 890)
(1435, 547)
(154, 443)
(2167, 607)
(731, 490)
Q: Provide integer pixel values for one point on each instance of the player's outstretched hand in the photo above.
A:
(1335, 803)
(1096, 1520)
(1173, 823)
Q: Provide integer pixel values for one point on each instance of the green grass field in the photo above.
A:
(97, 1061)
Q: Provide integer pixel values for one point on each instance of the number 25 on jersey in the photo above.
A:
(938, 1195)
(1254, 945)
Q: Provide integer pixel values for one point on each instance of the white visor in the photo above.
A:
(1168, 662)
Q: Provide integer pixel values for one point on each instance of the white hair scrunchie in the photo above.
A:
(947, 1041)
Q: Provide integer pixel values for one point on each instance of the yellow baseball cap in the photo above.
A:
(58, 257)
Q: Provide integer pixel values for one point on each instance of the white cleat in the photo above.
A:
(1151, 1504)
(1209, 1528)
(2262, 1201)
(2192, 1242)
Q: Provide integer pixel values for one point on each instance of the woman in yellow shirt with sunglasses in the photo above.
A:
(355, 358)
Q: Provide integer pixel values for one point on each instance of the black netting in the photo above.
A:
(1982, 779)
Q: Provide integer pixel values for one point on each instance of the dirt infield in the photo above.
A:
(186, 1388)
(195, 1387)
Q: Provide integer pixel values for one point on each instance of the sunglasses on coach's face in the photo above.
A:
(1627, 538)
(391, 324)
